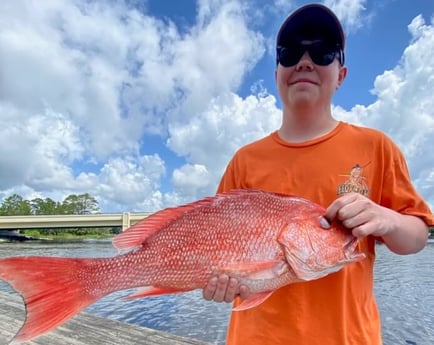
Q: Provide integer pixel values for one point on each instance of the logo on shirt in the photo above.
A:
(356, 182)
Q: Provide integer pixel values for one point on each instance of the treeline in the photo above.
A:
(16, 205)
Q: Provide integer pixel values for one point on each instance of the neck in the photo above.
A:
(306, 125)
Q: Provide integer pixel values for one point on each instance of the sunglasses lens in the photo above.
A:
(320, 54)
(289, 56)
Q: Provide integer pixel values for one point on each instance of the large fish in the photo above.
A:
(264, 240)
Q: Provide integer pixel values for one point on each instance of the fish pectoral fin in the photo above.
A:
(253, 301)
(152, 291)
(256, 270)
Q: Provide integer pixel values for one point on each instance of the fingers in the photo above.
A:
(335, 208)
(359, 214)
(361, 231)
(221, 289)
(210, 288)
(244, 292)
(224, 289)
(324, 223)
(346, 206)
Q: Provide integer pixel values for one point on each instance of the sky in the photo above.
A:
(142, 104)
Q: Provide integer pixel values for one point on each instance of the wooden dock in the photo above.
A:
(84, 329)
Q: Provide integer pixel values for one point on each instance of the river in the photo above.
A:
(404, 286)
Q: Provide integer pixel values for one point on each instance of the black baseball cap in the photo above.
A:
(313, 21)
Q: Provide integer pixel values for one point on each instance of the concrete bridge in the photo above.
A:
(98, 220)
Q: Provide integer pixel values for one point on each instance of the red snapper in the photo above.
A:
(264, 240)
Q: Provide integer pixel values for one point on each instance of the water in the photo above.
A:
(404, 288)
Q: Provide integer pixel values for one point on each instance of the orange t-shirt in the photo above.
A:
(339, 309)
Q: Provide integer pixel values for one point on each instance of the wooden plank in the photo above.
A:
(84, 329)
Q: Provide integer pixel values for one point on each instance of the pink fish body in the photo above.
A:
(264, 240)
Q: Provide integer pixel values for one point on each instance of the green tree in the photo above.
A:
(72, 204)
(15, 205)
(44, 206)
(79, 204)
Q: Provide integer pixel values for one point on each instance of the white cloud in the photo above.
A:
(212, 137)
(189, 182)
(31, 149)
(131, 182)
(350, 12)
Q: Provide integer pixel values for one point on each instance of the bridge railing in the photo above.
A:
(123, 220)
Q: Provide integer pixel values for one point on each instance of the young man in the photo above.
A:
(359, 173)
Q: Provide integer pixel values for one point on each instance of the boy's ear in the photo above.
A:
(343, 70)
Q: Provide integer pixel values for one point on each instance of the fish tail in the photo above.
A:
(53, 290)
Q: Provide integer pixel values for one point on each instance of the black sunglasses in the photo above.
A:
(320, 53)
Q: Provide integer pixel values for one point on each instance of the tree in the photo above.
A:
(44, 206)
(79, 204)
(15, 205)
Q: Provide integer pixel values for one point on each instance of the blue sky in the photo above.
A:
(142, 103)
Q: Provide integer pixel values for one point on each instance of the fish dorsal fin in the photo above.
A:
(138, 233)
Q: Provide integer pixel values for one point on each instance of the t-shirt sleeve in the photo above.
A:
(399, 192)
(229, 178)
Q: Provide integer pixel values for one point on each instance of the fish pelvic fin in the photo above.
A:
(52, 290)
(253, 301)
(152, 291)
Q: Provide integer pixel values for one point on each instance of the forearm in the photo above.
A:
(408, 235)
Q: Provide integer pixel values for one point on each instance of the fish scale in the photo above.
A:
(265, 240)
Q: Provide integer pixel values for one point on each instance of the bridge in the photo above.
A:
(97, 220)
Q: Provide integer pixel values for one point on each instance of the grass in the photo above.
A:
(68, 234)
